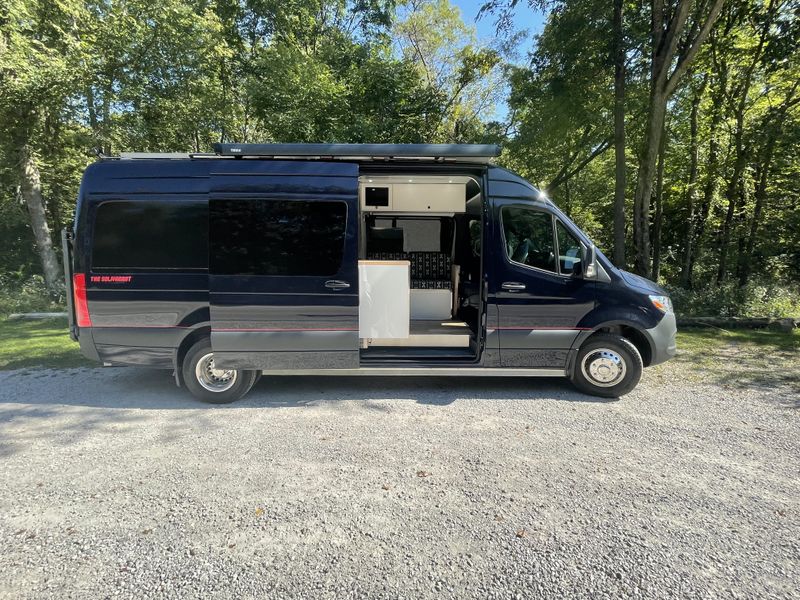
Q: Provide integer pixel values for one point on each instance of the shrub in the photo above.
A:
(730, 300)
(20, 293)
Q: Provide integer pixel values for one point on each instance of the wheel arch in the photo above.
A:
(190, 339)
(633, 332)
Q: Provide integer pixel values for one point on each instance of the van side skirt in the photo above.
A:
(426, 372)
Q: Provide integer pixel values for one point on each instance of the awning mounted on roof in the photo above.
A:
(469, 153)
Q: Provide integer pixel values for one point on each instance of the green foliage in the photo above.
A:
(562, 102)
(21, 294)
(179, 75)
(745, 217)
(731, 300)
(463, 74)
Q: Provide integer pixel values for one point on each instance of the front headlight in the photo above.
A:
(662, 303)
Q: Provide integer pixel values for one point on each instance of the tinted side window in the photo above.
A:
(569, 249)
(130, 236)
(277, 237)
(529, 237)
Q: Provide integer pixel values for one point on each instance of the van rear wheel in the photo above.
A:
(210, 384)
(607, 365)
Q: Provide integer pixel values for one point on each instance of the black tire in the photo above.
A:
(608, 366)
(201, 386)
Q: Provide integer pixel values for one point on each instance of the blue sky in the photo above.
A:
(525, 18)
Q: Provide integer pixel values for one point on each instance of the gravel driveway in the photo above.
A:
(114, 482)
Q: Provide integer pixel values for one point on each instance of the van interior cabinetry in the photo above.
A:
(428, 197)
(419, 222)
(421, 195)
(383, 299)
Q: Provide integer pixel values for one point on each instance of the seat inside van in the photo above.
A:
(423, 227)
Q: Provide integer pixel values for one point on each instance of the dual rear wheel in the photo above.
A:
(209, 383)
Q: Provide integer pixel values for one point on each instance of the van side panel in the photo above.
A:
(141, 301)
(284, 251)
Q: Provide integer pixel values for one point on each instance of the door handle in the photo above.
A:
(513, 286)
(336, 284)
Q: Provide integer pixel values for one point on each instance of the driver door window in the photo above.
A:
(529, 237)
(569, 250)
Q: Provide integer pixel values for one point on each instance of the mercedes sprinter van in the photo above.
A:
(367, 259)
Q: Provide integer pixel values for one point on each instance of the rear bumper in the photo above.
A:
(662, 339)
(86, 341)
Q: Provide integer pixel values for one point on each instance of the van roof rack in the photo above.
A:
(472, 153)
(158, 155)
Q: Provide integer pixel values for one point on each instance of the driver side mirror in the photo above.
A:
(590, 272)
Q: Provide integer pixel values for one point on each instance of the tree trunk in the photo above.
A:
(31, 188)
(659, 201)
(773, 132)
(665, 38)
(92, 112)
(691, 188)
(762, 178)
(619, 137)
(732, 195)
(712, 167)
(735, 191)
(741, 222)
(644, 183)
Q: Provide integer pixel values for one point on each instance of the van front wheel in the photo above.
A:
(208, 383)
(607, 365)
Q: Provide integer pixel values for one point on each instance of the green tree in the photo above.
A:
(40, 57)
(462, 73)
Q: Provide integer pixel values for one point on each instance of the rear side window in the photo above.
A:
(277, 237)
(151, 235)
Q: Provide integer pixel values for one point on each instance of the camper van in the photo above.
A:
(348, 259)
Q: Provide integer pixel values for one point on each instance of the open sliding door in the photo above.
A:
(283, 265)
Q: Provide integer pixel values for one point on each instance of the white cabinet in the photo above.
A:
(383, 298)
(428, 197)
(418, 195)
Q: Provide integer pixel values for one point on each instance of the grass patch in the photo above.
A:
(696, 339)
(742, 357)
(42, 344)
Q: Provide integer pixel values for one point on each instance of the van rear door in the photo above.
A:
(66, 250)
(283, 275)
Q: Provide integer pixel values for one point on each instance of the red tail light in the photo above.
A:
(81, 305)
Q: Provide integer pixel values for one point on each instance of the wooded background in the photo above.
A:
(669, 130)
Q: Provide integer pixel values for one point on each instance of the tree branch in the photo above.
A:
(601, 148)
(694, 47)
(672, 36)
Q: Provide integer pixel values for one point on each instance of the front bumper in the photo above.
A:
(662, 339)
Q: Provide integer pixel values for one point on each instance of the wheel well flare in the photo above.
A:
(635, 336)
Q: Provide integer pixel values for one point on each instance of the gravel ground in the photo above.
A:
(115, 483)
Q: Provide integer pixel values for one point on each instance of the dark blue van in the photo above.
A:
(348, 259)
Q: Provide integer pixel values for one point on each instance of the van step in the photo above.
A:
(415, 354)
